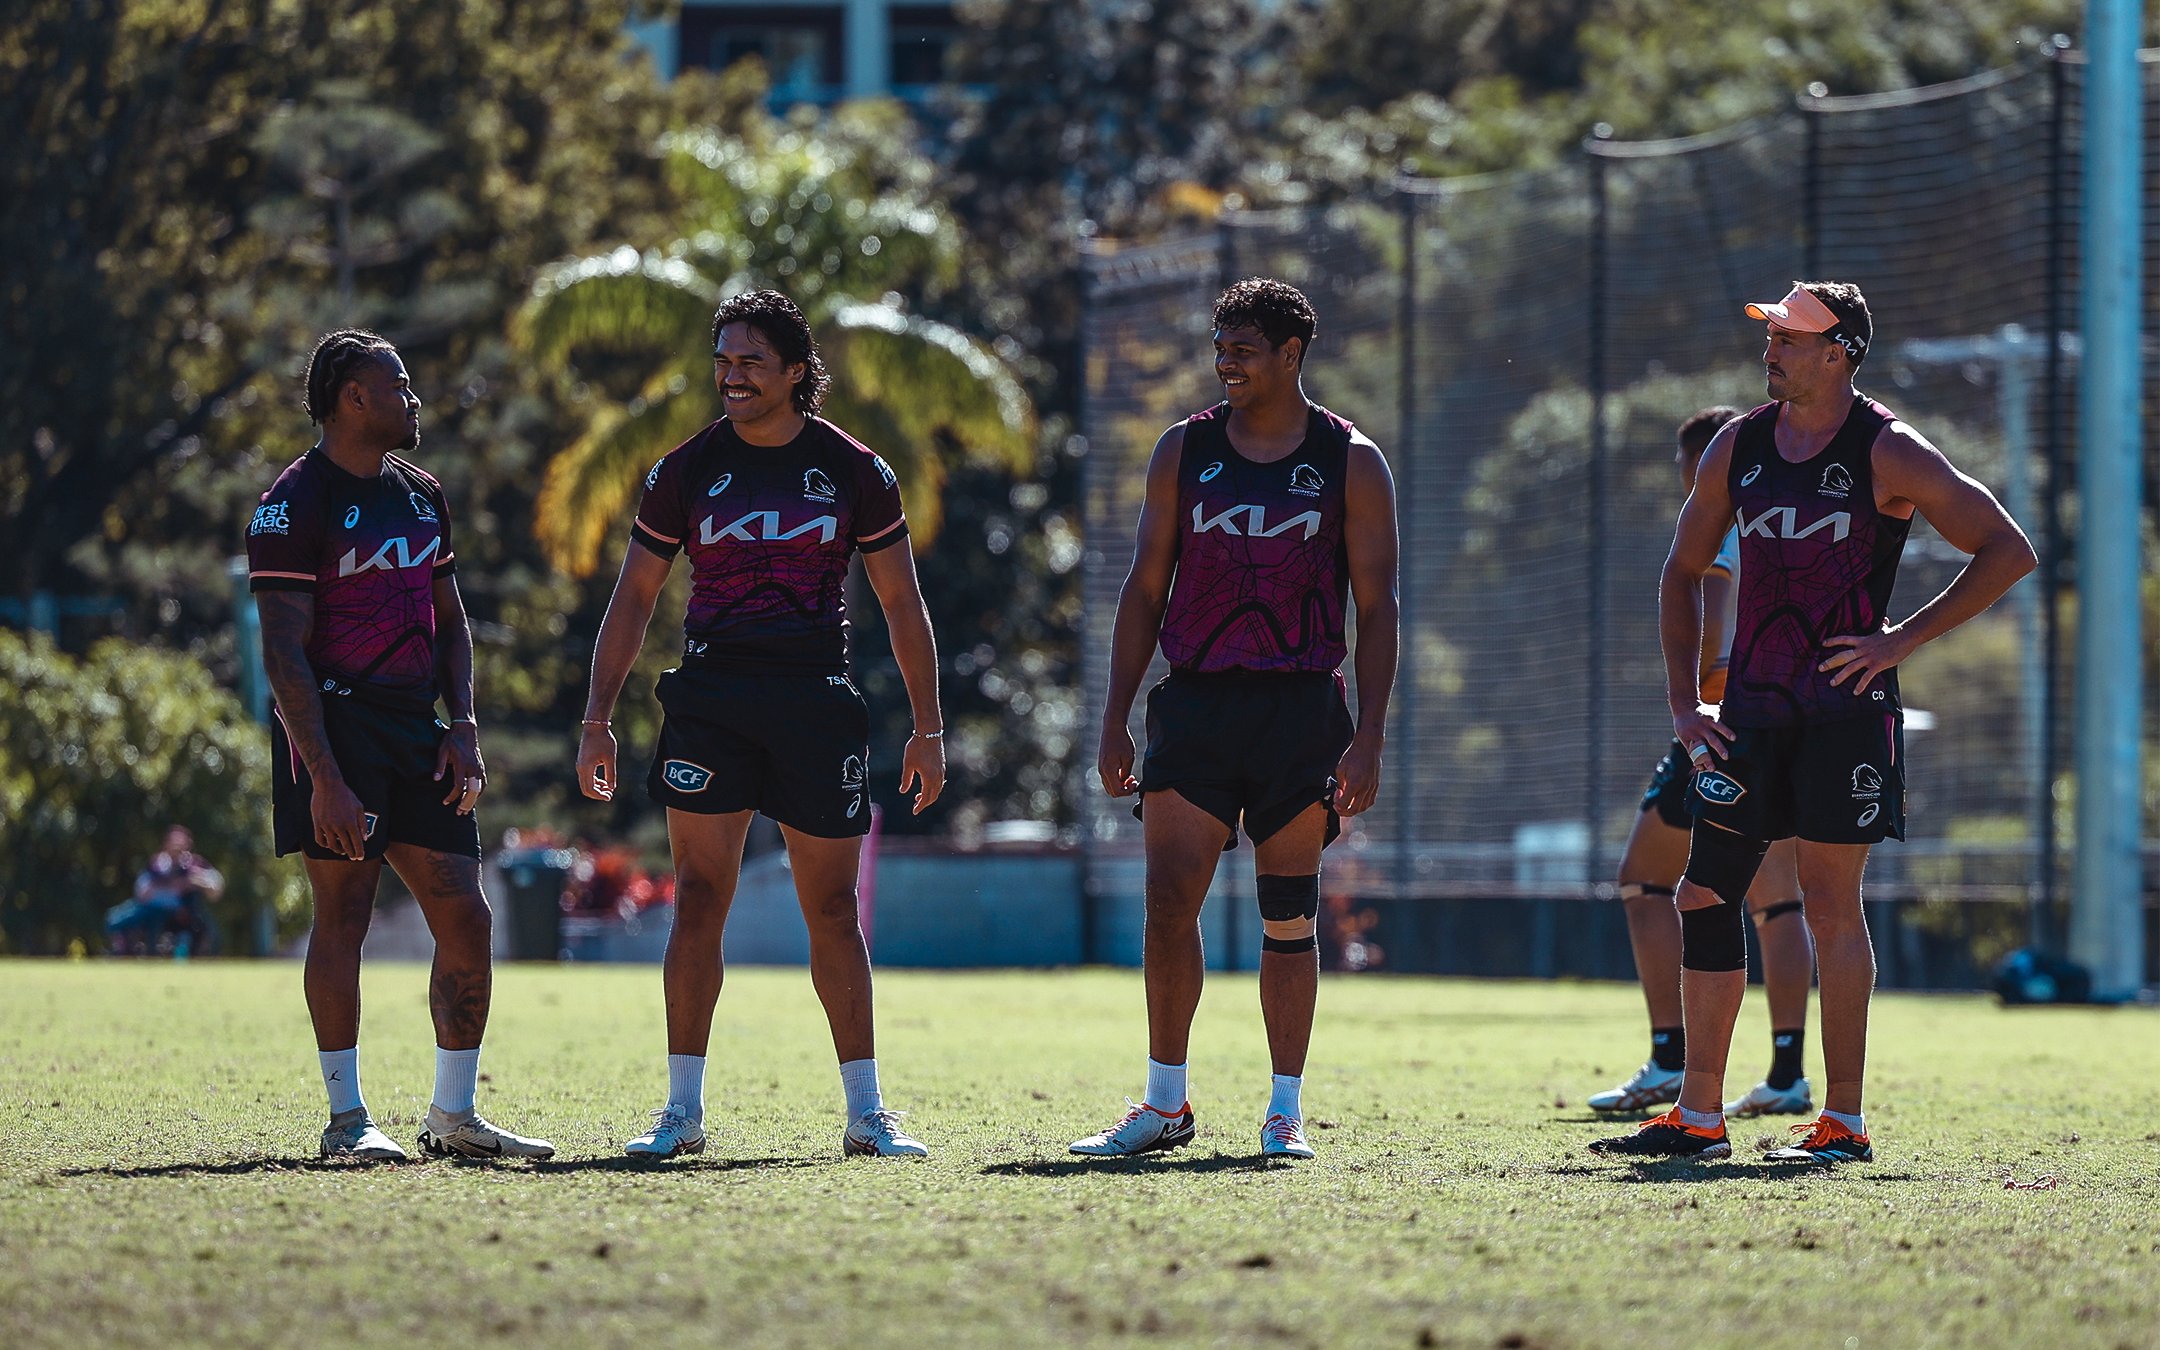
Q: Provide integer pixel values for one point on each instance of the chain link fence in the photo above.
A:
(1524, 345)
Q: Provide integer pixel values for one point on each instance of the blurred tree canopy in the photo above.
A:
(97, 757)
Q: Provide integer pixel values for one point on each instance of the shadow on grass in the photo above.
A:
(1146, 1162)
(1682, 1172)
(238, 1167)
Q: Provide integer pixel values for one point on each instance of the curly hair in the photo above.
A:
(1701, 428)
(782, 324)
(1279, 310)
(1855, 321)
(336, 359)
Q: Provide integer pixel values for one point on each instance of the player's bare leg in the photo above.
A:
(1183, 845)
(1710, 1000)
(708, 853)
(1655, 854)
(1289, 981)
(1830, 873)
(1788, 971)
(825, 871)
(460, 991)
(344, 894)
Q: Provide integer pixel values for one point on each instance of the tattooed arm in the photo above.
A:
(288, 617)
(458, 758)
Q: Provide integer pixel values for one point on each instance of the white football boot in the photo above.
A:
(672, 1135)
(1765, 1100)
(1651, 1086)
(876, 1134)
(1143, 1130)
(1284, 1137)
(352, 1134)
(471, 1136)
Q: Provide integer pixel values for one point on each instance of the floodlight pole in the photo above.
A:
(2106, 932)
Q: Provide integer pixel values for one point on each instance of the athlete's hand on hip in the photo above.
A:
(1114, 761)
(1867, 655)
(1357, 776)
(458, 759)
(596, 762)
(1702, 736)
(340, 821)
(923, 761)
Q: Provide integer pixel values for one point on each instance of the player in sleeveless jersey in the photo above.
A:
(769, 503)
(1263, 516)
(1823, 484)
(1657, 851)
(350, 560)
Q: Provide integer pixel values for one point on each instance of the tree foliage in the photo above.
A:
(97, 757)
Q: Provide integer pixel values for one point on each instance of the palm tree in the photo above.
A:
(842, 222)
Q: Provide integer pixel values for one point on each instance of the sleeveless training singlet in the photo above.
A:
(1262, 574)
(769, 530)
(1817, 561)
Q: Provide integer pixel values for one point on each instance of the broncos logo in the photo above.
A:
(1305, 480)
(851, 782)
(817, 487)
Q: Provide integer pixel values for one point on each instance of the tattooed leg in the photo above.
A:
(448, 889)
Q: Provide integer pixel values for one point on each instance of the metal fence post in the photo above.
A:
(1406, 476)
(1594, 687)
(2043, 930)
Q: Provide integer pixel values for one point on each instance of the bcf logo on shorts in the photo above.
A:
(1717, 789)
(683, 776)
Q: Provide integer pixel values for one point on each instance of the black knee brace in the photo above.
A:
(1723, 862)
(1714, 937)
(1769, 912)
(1291, 906)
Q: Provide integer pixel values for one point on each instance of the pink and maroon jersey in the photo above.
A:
(369, 550)
(769, 530)
(1817, 561)
(1262, 577)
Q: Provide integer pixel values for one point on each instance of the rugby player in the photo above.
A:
(1262, 515)
(1656, 852)
(770, 502)
(350, 560)
(1823, 484)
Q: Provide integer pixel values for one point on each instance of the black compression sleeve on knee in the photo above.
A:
(1724, 863)
(1769, 912)
(1713, 938)
(1290, 900)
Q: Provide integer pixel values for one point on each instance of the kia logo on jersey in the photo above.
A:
(395, 555)
(764, 526)
(1256, 525)
(1781, 522)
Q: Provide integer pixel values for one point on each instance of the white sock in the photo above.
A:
(686, 1085)
(1288, 1097)
(858, 1078)
(1856, 1122)
(1166, 1087)
(341, 1078)
(1701, 1120)
(457, 1076)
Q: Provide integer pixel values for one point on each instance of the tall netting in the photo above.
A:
(1524, 347)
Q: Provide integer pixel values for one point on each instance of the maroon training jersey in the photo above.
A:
(369, 549)
(769, 530)
(1262, 577)
(1817, 561)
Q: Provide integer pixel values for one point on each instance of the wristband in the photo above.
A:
(937, 735)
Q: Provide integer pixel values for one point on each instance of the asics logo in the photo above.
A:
(1751, 475)
(395, 555)
(1207, 475)
(352, 517)
(764, 527)
(1256, 525)
(721, 486)
(1867, 817)
(1780, 522)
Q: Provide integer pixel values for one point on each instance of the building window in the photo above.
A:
(921, 37)
(800, 45)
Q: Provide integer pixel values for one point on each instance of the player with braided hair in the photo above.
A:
(350, 560)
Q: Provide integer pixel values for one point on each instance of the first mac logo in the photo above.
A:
(683, 776)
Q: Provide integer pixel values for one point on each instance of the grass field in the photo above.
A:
(157, 1187)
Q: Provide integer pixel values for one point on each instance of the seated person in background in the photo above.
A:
(172, 894)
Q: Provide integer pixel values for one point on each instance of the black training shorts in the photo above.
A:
(796, 747)
(1672, 789)
(1250, 746)
(387, 757)
(1839, 782)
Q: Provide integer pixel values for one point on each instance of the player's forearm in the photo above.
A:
(299, 704)
(615, 651)
(1133, 635)
(1379, 654)
(1680, 637)
(455, 666)
(915, 651)
(1987, 576)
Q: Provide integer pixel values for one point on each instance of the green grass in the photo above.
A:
(156, 1184)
